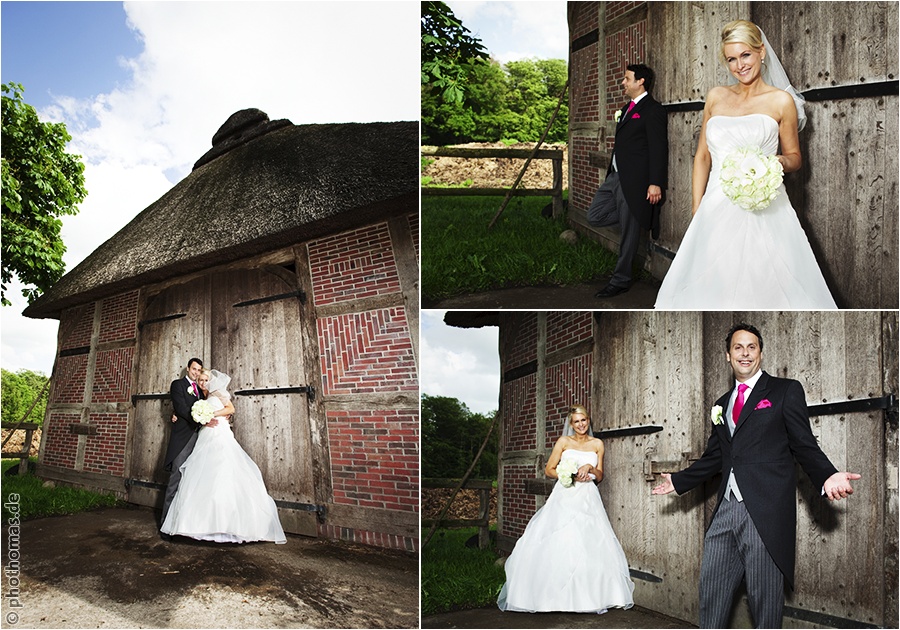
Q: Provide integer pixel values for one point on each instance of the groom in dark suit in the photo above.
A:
(184, 392)
(637, 177)
(759, 428)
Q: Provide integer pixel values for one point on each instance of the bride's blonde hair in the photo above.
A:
(740, 32)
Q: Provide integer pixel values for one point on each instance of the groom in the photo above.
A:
(759, 428)
(637, 176)
(184, 392)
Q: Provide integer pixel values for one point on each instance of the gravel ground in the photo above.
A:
(109, 569)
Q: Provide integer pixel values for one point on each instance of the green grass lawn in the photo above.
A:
(460, 255)
(455, 577)
(34, 500)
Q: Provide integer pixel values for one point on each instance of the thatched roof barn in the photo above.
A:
(288, 258)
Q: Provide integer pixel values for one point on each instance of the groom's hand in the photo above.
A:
(665, 487)
(654, 194)
(838, 487)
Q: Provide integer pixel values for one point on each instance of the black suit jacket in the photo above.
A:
(642, 158)
(184, 427)
(762, 451)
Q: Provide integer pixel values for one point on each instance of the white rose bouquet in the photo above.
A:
(566, 471)
(750, 179)
(202, 412)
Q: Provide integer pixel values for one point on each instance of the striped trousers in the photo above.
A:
(733, 551)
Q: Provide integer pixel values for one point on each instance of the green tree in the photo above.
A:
(514, 101)
(19, 390)
(451, 437)
(41, 182)
(449, 52)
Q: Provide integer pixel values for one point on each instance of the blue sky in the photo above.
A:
(143, 86)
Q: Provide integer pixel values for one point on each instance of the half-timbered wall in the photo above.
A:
(339, 314)
(842, 55)
(648, 380)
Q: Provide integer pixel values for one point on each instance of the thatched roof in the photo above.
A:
(264, 185)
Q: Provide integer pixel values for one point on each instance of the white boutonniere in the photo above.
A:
(190, 390)
(618, 115)
(716, 414)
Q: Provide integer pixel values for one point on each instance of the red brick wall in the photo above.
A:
(112, 376)
(518, 506)
(519, 409)
(118, 317)
(566, 328)
(524, 347)
(367, 352)
(414, 228)
(353, 265)
(375, 458)
(61, 445)
(104, 452)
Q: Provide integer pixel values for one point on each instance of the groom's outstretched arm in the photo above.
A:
(708, 465)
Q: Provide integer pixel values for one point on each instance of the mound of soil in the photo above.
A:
(17, 441)
(464, 506)
(494, 172)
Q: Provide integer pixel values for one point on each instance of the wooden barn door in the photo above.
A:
(257, 339)
(173, 328)
(246, 323)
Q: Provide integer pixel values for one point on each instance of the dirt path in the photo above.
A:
(109, 569)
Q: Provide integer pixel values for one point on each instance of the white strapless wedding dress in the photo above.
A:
(569, 558)
(222, 496)
(733, 259)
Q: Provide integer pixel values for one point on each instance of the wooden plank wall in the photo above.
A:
(846, 195)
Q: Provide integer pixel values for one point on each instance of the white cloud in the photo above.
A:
(309, 62)
(517, 30)
(462, 363)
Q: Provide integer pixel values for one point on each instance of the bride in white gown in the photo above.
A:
(731, 258)
(569, 559)
(222, 496)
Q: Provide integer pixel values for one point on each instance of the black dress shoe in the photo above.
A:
(165, 537)
(610, 291)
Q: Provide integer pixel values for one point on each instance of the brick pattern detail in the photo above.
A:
(375, 458)
(112, 376)
(568, 383)
(83, 327)
(69, 382)
(520, 407)
(566, 328)
(353, 265)
(61, 448)
(622, 48)
(586, 178)
(584, 68)
(105, 451)
(375, 539)
(414, 229)
(367, 352)
(118, 317)
(524, 347)
(518, 507)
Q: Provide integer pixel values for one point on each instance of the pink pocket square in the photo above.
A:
(636, 116)
(763, 404)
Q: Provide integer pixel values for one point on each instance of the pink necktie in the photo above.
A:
(196, 393)
(739, 403)
(630, 107)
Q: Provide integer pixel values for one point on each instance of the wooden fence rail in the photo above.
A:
(542, 154)
(483, 523)
(29, 428)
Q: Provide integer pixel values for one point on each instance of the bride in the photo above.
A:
(569, 559)
(222, 496)
(731, 258)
